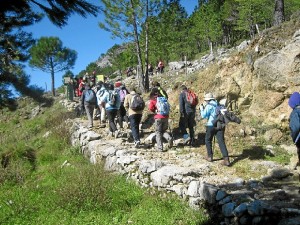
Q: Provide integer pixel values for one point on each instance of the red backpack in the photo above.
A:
(191, 98)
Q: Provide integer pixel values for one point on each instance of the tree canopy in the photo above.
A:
(50, 56)
(15, 43)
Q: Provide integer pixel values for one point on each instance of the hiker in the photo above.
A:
(81, 85)
(294, 124)
(160, 66)
(135, 114)
(111, 101)
(122, 111)
(150, 69)
(161, 119)
(207, 111)
(161, 91)
(100, 93)
(187, 116)
(88, 102)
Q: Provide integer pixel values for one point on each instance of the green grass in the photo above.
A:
(36, 189)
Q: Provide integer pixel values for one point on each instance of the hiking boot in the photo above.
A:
(225, 161)
(209, 158)
(137, 144)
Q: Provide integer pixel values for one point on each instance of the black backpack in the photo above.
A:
(137, 103)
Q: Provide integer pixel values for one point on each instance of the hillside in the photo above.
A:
(257, 81)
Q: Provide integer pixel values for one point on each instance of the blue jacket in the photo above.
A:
(105, 99)
(209, 112)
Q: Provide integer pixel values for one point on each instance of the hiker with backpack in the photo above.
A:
(208, 111)
(294, 124)
(111, 101)
(135, 105)
(160, 106)
(88, 102)
(100, 93)
(122, 111)
(187, 106)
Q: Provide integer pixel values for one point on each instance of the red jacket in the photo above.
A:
(152, 108)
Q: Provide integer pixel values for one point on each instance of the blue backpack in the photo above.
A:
(162, 106)
(90, 96)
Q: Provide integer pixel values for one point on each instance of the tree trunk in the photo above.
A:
(278, 12)
(146, 84)
(137, 45)
(52, 79)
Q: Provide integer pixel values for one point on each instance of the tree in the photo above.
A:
(278, 12)
(50, 56)
(14, 43)
(124, 19)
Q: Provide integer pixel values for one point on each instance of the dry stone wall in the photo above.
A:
(233, 199)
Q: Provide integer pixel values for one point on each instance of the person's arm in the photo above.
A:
(126, 102)
(205, 111)
(181, 104)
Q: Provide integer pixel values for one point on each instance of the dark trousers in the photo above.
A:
(219, 134)
(188, 120)
(122, 115)
(111, 115)
(135, 121)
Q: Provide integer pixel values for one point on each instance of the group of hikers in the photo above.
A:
(118, 105)
(158, 69)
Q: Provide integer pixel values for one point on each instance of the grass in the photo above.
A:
(37, 187)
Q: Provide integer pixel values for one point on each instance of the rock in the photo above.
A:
(228, 208)
(273, 135)
(193, 189)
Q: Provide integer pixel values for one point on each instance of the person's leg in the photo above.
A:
(120, 118)
(89, 112)
(111, 115)
(191, 124)
(222, 145)
(134, 127)
(103, 115)
(208, 142)
(158, 134)
(182, 125)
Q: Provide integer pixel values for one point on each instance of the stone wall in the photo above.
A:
(233, 199)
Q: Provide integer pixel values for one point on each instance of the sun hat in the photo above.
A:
(208, 96)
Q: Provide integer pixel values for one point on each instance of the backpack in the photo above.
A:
(191, 98)
(223, 117)
(112, 97)
(294, 124)
(137, 103)
(90, 96)
(123, 93)
(162, 105)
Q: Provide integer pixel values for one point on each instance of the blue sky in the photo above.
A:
(82, 35)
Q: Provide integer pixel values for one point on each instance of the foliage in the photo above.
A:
(14, 42)
(50, 56)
